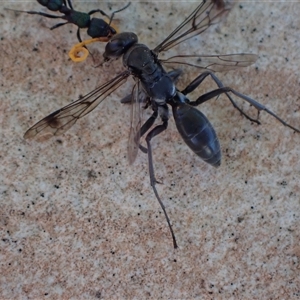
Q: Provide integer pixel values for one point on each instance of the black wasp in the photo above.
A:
(155, 87)
(96, 28)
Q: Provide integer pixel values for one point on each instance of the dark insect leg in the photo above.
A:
(257, 105)
(127, 99)
(143, 98)
(155, 131)
(99, 11)
(80, 40)
(104, 14)
(113, 14)
(78, 36)
(44, 14)
(49, 16)
(58, 25)
(175, 74)
(70, 4)
(146, 126)
(197, 81)
(219, 3)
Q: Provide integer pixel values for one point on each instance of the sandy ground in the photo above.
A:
(77, 222)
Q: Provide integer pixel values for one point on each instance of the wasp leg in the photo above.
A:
(127, 99)
(155, 131)
(146, 126)
(197, 81)
(175, 74)
(257, 105)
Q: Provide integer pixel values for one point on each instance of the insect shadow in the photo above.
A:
(155, 88)
(97, 28)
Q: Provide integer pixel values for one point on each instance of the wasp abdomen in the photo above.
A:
(198, 133)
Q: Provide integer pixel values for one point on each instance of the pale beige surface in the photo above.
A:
(78, 223)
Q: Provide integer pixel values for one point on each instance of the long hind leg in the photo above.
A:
(155, 131)
(197, 81)
(257, 105)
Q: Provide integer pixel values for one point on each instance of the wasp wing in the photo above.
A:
(61, 120)
(137, 99)
(214, 63)
(206, 14)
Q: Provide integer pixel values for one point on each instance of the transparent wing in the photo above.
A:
(206, 14)
(61, 120)
(135, 123)
(214, 63)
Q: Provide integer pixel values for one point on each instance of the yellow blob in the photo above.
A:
(79, 52)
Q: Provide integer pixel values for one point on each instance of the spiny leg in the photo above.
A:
(143, 98)
(197, 81)
(99, 11)
(70, 4)
(58, 25)
(42, 14)
(79, 37)
(175, 74)
(48, 16)
(257, 105)
(155, 131)
(146, 126)
(121, 9)
(106, 15)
